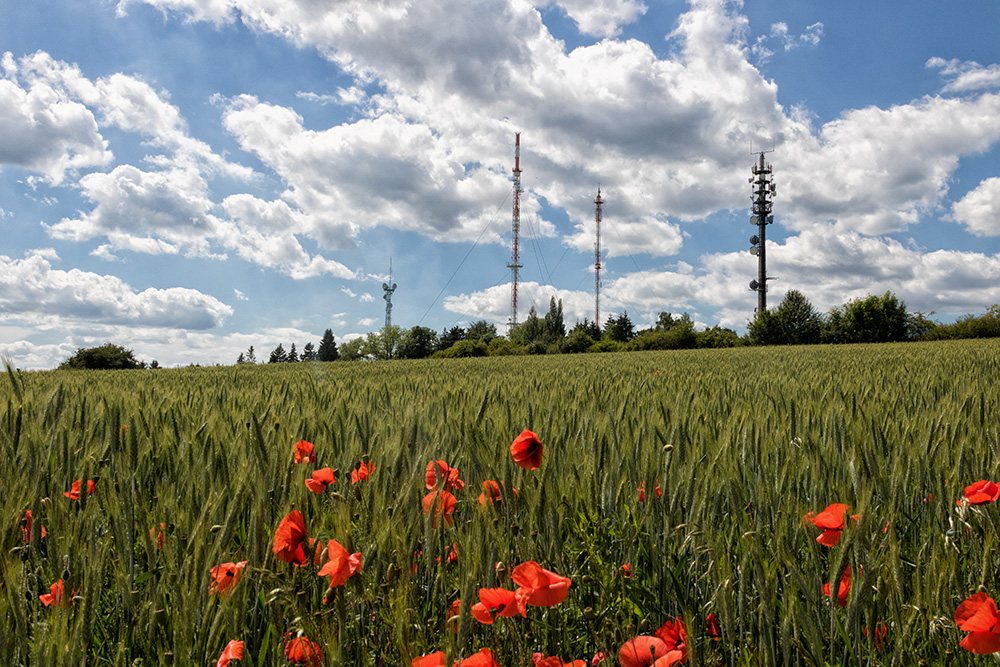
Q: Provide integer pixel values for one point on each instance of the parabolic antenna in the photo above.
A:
(754, 250)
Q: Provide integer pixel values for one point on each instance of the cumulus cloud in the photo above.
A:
(31, 290)
(979, 209)
(966, 76)
(601, 18)
(780, 37)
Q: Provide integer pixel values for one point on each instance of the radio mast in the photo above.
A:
(516, 228)
(389, 288)
(763, 191)
(597, 260)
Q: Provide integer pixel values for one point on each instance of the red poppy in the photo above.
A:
(304, 452)
(438, 472)
(483, 658)
(626, 570)
(74, 490)
(598, 658)
(540, 660)
(158, 537)
(26, 528)
(320, 479)
(843, 589)
(452, 616)
(527, 450)
(831, 522)
(981, 492)
(443, 503)
(55, 596)
(289, 537)
(362, 472)
(880, 633)
(302, 651)
(435, 659)
(233, 651)
(978, 616)
(642, 491)
(225, 577)
(712, 628)
(494, 602)
(674, 635)
(341, 566)
(642, 651)
(537, 586)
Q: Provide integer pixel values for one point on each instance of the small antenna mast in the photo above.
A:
(388, 288)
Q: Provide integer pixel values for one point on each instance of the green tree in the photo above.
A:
(382, 344)
(482, 330)
(717, 337)
(293, 355)
(105, 357)
(555, 328)
(417, 343)
(328, 347)
(353, 350)
(464, 348)
(278, 355)
(251, 356)
(309, 352)
(793, 322)
(872, 319)
(531, 330)
(578, 340)
(450, 336)
(592, 329)
(619, 329)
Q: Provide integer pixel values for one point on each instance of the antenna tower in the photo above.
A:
(389, 288)
(597, 260)
(763, 191)
(516, 228)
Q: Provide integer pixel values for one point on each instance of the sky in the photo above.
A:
(192, 177)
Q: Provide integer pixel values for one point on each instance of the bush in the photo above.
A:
(680, 337)
(106, 357)
(607, 346)
(464, 348)
(501, 347)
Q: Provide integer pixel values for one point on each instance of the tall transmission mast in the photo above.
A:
(763, 191)
(597, 259)
(516, 228)
(389, 288)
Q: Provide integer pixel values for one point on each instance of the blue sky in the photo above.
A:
(192, 177)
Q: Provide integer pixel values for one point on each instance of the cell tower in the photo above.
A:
(597, 259)
(763, 190)
(516, 228)
(389, 288)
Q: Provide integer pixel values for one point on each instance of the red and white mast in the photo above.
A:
(597, 260)
(516, 228)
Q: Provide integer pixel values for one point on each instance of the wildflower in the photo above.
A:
(491, 493)
(304, 452)
(225, 577)
(341, 566)
(233, 651)
(642, 491)
(880, 633)
(438, 472)
(527, 450)
(843, 589)
(494, 602)
(540, 660)
(831, 522)
(977, 615)
(483, 658)
(362, 472)
(712, 628)
(435, 659)
(674, 635)
(537, 586)
(598, 658)
(643, 651)
(443, 503)
(320, 479)
(158, 537)
(302, 651)
(452, 616)
(626, 570)
(981, 492)
(26, 528)
(55, 596)
(74, 490)
(289, 537)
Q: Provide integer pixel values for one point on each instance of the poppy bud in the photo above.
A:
(630, 631)
(587, 579)
(168, 657)
(644, 625)
(389, 510)
(29, 596)
(65, 574)
(588, 613)
(515, 529)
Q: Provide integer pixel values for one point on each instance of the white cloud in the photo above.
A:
(32, 291)
(966, 76)
(602, 18)
(979, 209)
(762, 47)
(367, 321)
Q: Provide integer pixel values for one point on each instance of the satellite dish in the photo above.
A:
(753, 220)
(384, 286)
(754, 285)
(754, 240)
(754, 250)
(770, 219)
(394, 286)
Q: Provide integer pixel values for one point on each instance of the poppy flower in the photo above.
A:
(233, 651)
(443, 503)
(341, 566)
(642, 491)
(626, 570)
(598, 658)
(74, 489)
(435, 659)
(831, 522)
(527, 450)
(158, 537)
(452, 616)
(843, 589)
(320, 479)
(642, 651)
(304, 452)
(55, 596)
(289, 537)
(26, 528)
(981, 492)
(712, 628)
(880, 633)
(540, 660)
(225, 577)
(674, 635)
(362, 472)
(978, 616)
(302, 651)
(482, 658)
(438, 472)
(494, 602)
(537, 586)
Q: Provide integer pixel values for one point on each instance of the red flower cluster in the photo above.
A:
(843, 590)
(831, 522)
(667, 646)
(439, 473)
(289, 537)
(642, 491)
(74, 489)
(55, 596)
(362, 472)
(302, 651)
(484, 658)
(442, 504)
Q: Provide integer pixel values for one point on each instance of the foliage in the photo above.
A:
(105, 357)
(680, 336)
(327, 347)
(309, 353)
(532, 329)
(619, 329)
(501, 347)
(450, 336)
(607, 345)
(577, 341)
(482, 330)
(417, 343)
(872, 319)
(353, 350)
(986, 325)
(382, 345)
(717, 337)
(793, 322)
(278, 355)
(464, 348)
